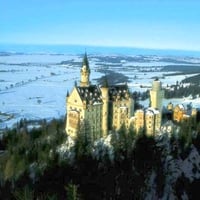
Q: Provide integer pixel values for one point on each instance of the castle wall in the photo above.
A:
(75, 113)
(121, 113)
(93, 121)
(105, 112)
(139, 120)
(178, 113)
(152, 121)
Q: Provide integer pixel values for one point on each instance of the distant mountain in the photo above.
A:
(79, 49)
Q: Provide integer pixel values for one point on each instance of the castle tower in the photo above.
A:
(170, 106)
(152, 121)
(85, 72)
(139, 120)
(156, 95)
(194, 112)
(105, 98)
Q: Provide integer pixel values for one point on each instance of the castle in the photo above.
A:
(99, 109)
(181, 113)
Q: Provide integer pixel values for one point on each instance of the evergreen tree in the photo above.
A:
(131, 132)
(25, 194)
(83, 141)
(72, 192)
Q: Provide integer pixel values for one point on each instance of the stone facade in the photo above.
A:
(148, 120)
(182, 113)
(152, 121)
(178, 112)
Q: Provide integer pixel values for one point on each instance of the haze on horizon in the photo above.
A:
(167, 24)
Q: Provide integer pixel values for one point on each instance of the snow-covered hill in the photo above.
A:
(34, 86)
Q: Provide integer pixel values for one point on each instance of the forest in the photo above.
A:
(43, 163)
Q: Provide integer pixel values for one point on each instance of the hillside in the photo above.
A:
(43, 163)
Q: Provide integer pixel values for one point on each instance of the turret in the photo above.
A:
(170, 106)
(85, 72)
(156, 95)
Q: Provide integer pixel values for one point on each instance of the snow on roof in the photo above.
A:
(120, 90)
(90, 94)
(181, 106)
(140, 110)
(152, 111)
(148, 112)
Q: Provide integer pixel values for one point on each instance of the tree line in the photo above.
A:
(118, 167)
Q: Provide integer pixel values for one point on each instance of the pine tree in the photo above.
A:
(72, 192)
(83, 142)
(131, 132)
(25, 194)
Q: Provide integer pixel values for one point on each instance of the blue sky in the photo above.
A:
(165, 24)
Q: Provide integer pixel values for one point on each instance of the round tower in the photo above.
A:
(156, 95)
(85, 72)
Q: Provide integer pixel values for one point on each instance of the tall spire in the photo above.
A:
(85, 62)
(105, 82)
(85, 72)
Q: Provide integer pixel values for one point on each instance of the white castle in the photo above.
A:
(99, 109)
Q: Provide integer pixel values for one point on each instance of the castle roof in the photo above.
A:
(86, 62)
(105, 83)
(118, 91)
(152, 111)
(90, 94)
(180, 106)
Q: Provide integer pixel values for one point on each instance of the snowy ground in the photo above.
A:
(35, 86)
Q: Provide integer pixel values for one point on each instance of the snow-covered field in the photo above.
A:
(34, 86)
